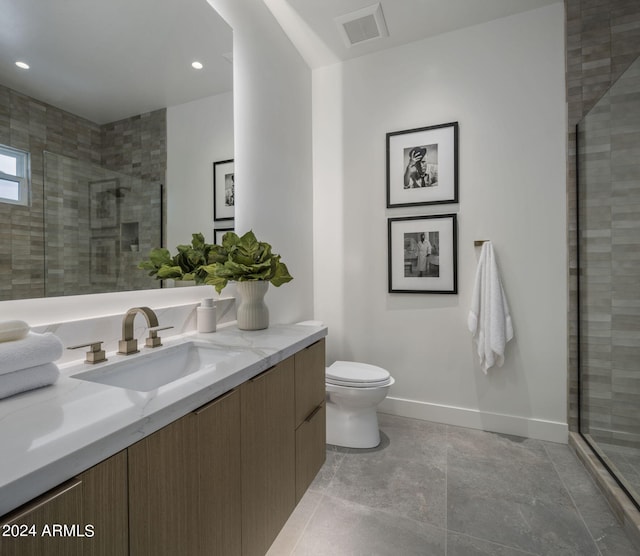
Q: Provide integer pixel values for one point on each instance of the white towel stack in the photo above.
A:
(489, 317)
(26, 358)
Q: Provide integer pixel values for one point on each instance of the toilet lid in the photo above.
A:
(357, 375)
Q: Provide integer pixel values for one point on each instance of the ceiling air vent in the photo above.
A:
(362, 25)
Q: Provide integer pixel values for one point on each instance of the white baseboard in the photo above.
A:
(552, 431)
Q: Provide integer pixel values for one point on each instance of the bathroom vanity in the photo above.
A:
(210, 463)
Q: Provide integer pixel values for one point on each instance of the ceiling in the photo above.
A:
(407, 20)
(107, 60)
(110, 59)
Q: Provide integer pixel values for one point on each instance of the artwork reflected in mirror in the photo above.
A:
(103, 203)
(223, 191)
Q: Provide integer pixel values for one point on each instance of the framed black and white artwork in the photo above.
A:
(218, 234)
(422, 166)
(423, 254)
(103, 262)
(103, 203)
(223, 190)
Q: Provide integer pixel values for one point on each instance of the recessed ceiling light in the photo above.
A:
(196, 65)
(22, 65)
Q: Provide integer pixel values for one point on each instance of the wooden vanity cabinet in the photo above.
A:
(163, 482)
(184, 484)
(105, 507)
(86, 516)
(268, 456)
(283, 443)
(29, 530)
(219, 474)
(311, 418)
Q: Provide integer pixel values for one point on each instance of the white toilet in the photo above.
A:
(354, 391)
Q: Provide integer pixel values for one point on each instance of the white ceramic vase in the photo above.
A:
(252, 312)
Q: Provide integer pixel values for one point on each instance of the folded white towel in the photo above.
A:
(489, 317)
(31, 351)
(13, 330)
(28, 379)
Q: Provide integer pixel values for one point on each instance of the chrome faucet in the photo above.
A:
(128, 344)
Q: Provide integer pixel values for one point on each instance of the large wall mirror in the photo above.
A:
(109, 97)
(608, 278)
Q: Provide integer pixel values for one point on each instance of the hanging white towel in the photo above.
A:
(32, 350)
(28, 379)
(489, 318)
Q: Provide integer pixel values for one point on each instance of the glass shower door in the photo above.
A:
(609, 279)
(98, 225)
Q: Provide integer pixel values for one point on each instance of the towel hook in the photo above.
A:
(479, 242)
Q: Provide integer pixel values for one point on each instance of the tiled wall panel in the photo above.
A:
(602, 41)
(137, 146)
(609, 209)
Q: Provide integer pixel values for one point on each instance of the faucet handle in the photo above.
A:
(127, 347)
(154, 340)
(95, 354)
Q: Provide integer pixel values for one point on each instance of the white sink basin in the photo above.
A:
(152, 369)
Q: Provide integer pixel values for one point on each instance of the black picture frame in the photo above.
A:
(218, 233)
(422, 166)
(103, 204)
(417, 266)
(223, 190)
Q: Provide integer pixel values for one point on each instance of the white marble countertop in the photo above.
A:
(50, 435)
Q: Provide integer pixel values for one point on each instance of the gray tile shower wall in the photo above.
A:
(602, 40)
(136, 146)
(609, 208)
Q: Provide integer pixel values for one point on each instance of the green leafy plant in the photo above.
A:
(187, 264)
(242, 259)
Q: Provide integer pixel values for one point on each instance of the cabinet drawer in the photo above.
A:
(309, 379)
(310, 448)
(105, 486)
(219, 509)
(34, 529)
(268, 456)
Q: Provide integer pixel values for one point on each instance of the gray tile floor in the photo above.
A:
(439, 490)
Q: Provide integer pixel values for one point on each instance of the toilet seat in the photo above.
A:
(357, 375)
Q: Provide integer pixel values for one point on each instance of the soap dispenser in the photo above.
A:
(206, 316)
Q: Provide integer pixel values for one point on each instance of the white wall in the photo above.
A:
(199, 133)
(503, 82)
(273, 157)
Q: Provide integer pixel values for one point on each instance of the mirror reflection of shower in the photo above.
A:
(97, 222)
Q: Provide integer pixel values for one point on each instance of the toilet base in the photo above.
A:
(357, 428)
